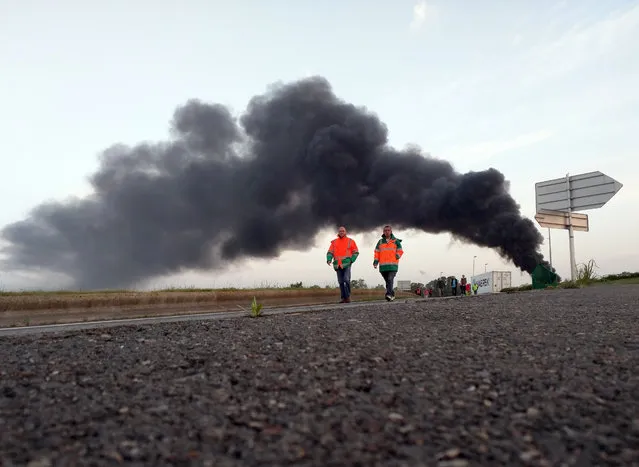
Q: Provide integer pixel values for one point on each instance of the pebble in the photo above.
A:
(527, 456)
(532, 412)
(453, 463)
(40, 462)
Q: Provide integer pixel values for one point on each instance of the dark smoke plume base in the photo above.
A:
(298, 160)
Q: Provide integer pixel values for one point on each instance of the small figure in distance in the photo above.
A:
(388, 251)
(343, 252)
(462, 284)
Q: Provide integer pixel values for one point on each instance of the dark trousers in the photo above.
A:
(344, 281)
(454, 290)
(389, 278)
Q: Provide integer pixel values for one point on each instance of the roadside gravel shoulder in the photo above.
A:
(535, 378)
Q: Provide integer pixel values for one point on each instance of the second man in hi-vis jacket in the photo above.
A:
(388, 251)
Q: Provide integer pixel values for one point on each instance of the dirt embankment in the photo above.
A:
(66, 307)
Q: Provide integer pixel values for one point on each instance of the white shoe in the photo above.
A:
(392, 297)
(388, 297)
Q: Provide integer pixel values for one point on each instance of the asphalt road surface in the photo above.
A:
(542, 378)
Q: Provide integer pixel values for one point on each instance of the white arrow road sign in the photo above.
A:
(577, 193)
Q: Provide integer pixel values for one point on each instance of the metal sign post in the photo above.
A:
(571, 232)
(549, 247)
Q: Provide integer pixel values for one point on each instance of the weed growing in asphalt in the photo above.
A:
(256, 309)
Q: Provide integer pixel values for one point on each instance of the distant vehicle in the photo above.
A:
(492, 281)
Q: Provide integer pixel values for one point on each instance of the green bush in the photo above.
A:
(623, 275)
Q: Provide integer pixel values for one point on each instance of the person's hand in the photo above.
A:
(328, 262)
(375, 266)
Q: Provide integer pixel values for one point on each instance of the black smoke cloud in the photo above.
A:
(298, 160)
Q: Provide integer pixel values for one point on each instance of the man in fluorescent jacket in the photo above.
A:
(388, 251)
(342, 253)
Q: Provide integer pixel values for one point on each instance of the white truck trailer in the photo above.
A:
(492, 282)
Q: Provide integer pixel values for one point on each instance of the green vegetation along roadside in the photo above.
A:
(67, 300)
(31, 317)
(271, 295)
(586, 277)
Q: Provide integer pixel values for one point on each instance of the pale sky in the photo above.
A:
(535, 90)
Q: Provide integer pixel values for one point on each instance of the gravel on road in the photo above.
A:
(543, 378)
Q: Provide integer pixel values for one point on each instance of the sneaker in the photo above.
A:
(347, 300)
(392, 297)
(388, 297)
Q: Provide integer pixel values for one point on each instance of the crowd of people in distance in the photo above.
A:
(457, 288)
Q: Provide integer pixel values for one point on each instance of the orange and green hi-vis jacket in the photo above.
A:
(387, 253)
(343, 251)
